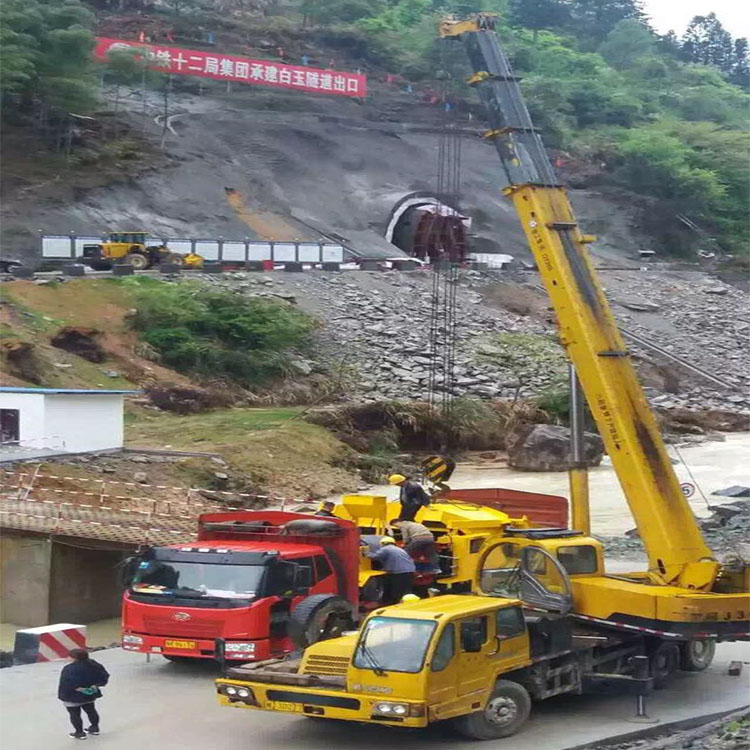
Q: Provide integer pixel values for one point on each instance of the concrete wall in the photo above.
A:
(32, 432)
(89, 422)
(24, 580)
(85, 584)
(43, 582)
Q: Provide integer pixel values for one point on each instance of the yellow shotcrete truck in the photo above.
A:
(548, 618)
(474, 661)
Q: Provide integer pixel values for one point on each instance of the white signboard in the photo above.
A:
(233, 251)
(333, 254)
(56, 246)
(284, 251)
(259, 251)
(309, 252)
(208, 249)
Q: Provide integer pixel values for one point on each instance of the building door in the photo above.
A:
(9, 426)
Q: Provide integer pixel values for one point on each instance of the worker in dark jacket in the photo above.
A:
(79, 688)
(399, 568)
(326, 509)
(412, 496)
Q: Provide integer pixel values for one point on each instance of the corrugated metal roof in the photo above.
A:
(69, 391)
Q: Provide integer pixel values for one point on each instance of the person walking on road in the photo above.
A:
(399, 569)
(418, 541)
(79, 689)
(412, 496)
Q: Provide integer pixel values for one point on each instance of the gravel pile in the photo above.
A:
(378, 324)
(726, 531)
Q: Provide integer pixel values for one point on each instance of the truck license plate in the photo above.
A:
(284, 706)
(179, 644)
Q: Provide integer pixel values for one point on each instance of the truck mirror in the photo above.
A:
(302, 579)
(471, 641)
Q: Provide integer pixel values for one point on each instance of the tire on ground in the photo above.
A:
(664, 661)
(138, 260)
(696, 655)
(319, 617)
(506, 712)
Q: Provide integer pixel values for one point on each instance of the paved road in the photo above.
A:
(172, 707)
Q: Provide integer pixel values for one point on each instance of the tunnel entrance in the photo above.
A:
(427, 229)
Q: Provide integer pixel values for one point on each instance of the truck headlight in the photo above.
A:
(240, 648)
(391, 709)
(230, 690)
(134, 640)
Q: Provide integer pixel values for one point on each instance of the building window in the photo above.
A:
(10, 426)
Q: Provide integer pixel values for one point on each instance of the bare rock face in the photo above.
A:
(546, 447)
(81, 341)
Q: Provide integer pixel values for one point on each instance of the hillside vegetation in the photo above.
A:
(661, 116)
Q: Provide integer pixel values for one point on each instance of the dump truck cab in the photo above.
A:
(410, 665)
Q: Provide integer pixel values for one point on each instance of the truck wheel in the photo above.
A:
(695, 656)
(318, 618)
(138, 260)
(506, 711)
(664, 661)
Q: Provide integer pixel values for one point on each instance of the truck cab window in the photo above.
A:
(445, 649)
(578, 559)
(509, 622)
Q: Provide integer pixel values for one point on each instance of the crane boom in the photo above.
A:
(676, 550)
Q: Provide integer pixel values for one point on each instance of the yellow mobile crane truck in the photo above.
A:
(559, 622)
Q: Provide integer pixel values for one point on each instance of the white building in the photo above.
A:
(64, 420)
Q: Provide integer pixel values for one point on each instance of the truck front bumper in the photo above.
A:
(195, 648)
(321, 703)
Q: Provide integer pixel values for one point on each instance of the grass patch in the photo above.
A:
(214, 333)
(269, 447)
(98, 303)
(223, 427)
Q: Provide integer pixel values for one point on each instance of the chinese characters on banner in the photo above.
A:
(179, 61)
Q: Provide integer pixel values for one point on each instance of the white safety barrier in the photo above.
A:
(47, 642)
(70, 246)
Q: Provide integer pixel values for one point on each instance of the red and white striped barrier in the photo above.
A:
(47, 642)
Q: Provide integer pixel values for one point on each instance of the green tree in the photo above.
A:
(538, 14)
(592, 20)
(629, 40)
(46, 53)
(706, 41)
(740, 75)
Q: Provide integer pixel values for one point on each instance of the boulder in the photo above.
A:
(546, 447)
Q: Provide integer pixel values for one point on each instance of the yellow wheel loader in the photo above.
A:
(132, 248)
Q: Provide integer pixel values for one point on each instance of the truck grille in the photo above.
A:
(195, 629)
(328, 665)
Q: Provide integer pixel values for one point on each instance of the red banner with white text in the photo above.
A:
(191, 62)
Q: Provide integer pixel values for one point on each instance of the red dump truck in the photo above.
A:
(257, 580)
